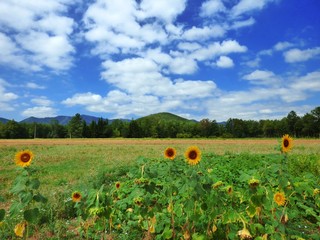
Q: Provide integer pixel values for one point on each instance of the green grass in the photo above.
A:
(65, 168)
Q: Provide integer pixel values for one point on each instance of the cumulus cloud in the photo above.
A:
(165, 10)
(261, 77)
(204, 33)
(34, 35)
(297, 55)
(6, 96)
(40, 112)
(211, 7)
(224, 62)
(42, 101)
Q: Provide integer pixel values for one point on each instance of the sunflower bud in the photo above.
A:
(244, 234)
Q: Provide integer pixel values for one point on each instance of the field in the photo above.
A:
(92, 165)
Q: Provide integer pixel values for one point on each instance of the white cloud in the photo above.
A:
(204, 33)
(39, 111)
(245, 6)
(297, 55)
(189, 46)
(6, 97)
(243, 23)
(309, 82)
(262, 77)
(224, 62)
(50, 51)
(33, 85)
(211, 7)
(39, 35)
(183, 65)
(42, 101)
(165, 10)
(280, 46)
(84, 99)
(217, 48)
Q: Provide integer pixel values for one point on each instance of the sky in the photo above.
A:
(215, 59)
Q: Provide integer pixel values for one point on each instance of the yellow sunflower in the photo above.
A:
(19, 229)
(24, 158)
(170, 153)
(193, 155)
(287, 143)
(279, 198)
(253, 183)
(76, 196)
(118, 185)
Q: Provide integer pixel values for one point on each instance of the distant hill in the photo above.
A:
(3, 120)
(163, 116)
(63, 120)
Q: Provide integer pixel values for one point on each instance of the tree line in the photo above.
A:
(305, 126)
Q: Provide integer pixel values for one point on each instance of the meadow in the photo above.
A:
(128, 189)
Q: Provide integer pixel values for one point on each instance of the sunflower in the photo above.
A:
(287, 143)
(279, 198)
(19, 229)
(193, 155)
(76, 196)
(24, 158)
(118, 185)
(170, 153)
(253, 183)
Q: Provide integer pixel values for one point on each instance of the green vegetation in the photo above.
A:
(167, 125)
(234, 195)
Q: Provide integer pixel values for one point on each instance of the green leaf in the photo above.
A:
(195, 236)
(26, 197)
(167, 233)
(40, 198)
(31, 215)
(2, 214)
(251, 210)
(18, 187)
(34, 183)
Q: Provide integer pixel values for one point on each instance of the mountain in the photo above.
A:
(163, 116)
(64, 120)
(3, 120)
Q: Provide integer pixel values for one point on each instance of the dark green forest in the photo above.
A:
(166, 125)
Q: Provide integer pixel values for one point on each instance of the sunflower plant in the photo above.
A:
(28, 197)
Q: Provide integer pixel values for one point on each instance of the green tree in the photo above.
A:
(292, 119)
(75, 127)
(135, 130)
(316, 114)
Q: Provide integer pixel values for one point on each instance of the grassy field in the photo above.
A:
(71, 161)
(68, 164)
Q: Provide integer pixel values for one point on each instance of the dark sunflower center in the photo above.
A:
(76, 195)
(170, 153)
(118, 185)
(286, 143)
(193, 155)
(25, 157)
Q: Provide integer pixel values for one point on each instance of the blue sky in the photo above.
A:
(216, 59)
